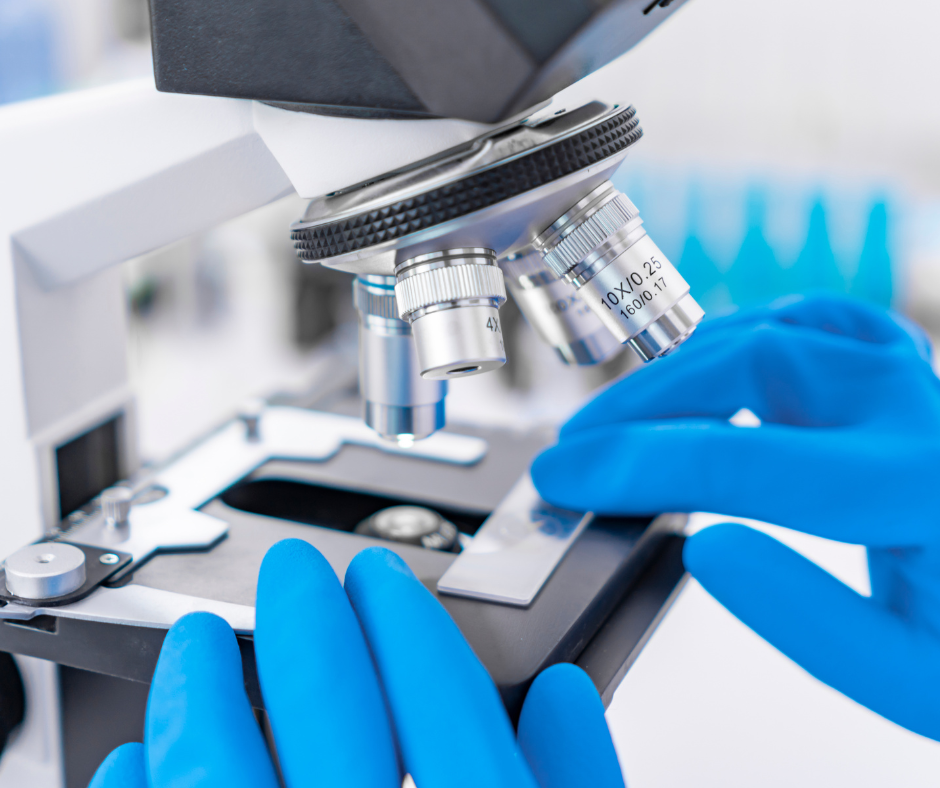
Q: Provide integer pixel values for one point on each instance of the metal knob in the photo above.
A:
(45, 571)
(411, 525)
(250, 415)
(116, 507)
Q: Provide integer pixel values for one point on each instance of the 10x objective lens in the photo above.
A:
(451, 300)
(600, 246)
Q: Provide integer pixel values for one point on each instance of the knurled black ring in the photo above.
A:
(473, 193)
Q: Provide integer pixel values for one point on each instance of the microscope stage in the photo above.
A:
(597, 608)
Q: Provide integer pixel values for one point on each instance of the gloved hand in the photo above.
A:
(848, 449)
(359, 685)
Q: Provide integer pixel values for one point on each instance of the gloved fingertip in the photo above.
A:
(123, 768)
(562, 474)
(198, 647)
(194, 639)
(561, 682)
(293, 568)
(711, 555)
(288, 551)
(563, 732)
(322, 696)
(699, 549)
(544, 470)
(198, 625)
(587, 471)
(199, 723)
(375, 564)
(411, 636)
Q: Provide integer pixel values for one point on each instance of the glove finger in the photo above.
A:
(852, 318)
(846, 640)
(320, 687)
(563, 733)
(123, 768)
(438, 691)
(780, 474)
(200, 728)
(784, 374)
(825, 312)
(848, 317)
(922, 342)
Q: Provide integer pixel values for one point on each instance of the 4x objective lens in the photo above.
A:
(451, 300)
(397, 402)
(556, 311)
(600, 246)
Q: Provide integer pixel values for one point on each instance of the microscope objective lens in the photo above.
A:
(399, 404)
(556, 312)
(451, 300)
(600, 246)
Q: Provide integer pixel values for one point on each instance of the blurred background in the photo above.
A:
(789, 147)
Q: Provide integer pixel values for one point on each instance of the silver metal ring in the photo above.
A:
(586, 226)
(451, 299)
(451, 277)
(668, 331)
(374, 296)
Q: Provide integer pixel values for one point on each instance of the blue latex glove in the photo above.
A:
(360, 685)
(848, 449)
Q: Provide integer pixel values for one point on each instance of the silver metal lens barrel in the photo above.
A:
(556, 312)
(397, 402)
(451, 300)
(600, 246)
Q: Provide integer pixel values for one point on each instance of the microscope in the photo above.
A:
(451, 152)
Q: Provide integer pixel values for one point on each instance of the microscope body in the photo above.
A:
(457, 169)
(481, 60)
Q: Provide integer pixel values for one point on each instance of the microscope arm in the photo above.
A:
(97, 177)
(94, 178)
